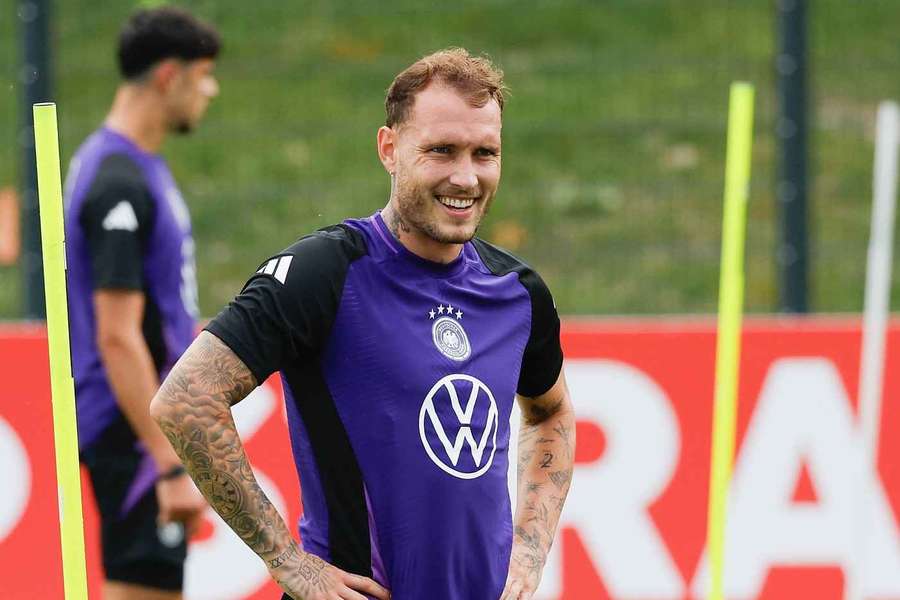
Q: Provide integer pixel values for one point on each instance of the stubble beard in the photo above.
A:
(414, 206)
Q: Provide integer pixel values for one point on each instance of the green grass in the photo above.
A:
(613, 138)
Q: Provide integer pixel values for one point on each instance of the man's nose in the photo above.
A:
(211, 87)
(463, 175)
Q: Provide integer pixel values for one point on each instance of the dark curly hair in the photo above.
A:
(152, 35)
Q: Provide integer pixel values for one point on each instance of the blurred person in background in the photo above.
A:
(10, 243)
(395, 334)
(133, 299)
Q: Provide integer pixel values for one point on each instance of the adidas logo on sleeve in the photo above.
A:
(121, 218)
(277, 267)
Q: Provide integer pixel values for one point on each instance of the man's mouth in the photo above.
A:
(456, 203)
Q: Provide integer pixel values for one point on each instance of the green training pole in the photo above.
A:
(65, 432)
(728, 341)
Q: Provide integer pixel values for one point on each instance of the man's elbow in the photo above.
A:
(112, 342)
(160, 407)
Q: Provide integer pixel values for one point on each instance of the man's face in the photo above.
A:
(192, 88)
(446, 165)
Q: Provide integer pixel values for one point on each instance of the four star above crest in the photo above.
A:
(441, 309)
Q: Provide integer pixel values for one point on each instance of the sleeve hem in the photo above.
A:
(531, 390)
(120, 284)
(239, 349)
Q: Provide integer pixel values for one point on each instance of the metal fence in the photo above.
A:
(613, 137)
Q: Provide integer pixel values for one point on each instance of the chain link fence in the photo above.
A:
(614, 136)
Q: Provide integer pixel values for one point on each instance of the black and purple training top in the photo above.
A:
(127, 228)
(399, 376)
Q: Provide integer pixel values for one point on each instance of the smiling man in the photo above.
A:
(402, 341)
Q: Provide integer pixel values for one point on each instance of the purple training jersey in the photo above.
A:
(399, 377)
(127, 228)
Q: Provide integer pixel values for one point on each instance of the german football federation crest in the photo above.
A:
(448, 334)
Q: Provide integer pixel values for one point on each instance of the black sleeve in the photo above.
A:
(117, 218)
(285, 311)
(543, 357)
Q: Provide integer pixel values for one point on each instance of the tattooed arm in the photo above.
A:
(546, 454)
(193, 408)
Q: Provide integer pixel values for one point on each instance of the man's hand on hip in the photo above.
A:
(305, 576)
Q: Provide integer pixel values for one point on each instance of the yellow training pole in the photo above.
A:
(65, 432)
(731, 300)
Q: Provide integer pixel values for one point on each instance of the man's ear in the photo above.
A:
(387, 148)
(165, 73)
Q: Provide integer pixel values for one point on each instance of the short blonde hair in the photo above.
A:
(475, 77)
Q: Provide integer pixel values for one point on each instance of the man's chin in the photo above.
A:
(455, 235)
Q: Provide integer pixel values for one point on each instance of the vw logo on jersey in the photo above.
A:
(461, 407)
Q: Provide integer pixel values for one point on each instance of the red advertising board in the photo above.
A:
(803, 508)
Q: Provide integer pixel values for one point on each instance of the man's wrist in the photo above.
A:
(173, 472)
(292, 552)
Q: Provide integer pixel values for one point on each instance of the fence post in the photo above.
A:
(36, 78)
(792, 254)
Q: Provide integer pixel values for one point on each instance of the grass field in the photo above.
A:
(613, 137)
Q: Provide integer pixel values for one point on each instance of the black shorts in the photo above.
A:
(135, 550)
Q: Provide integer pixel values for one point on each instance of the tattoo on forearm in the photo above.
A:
(283, 557)
(524, 458)
(198, 395)
(531, 539)
(547, 461)
(565, 432)
(561, 479)
(197, 421)
(546, 453)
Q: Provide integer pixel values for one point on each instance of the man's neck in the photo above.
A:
(417, 242)
(139, 116)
